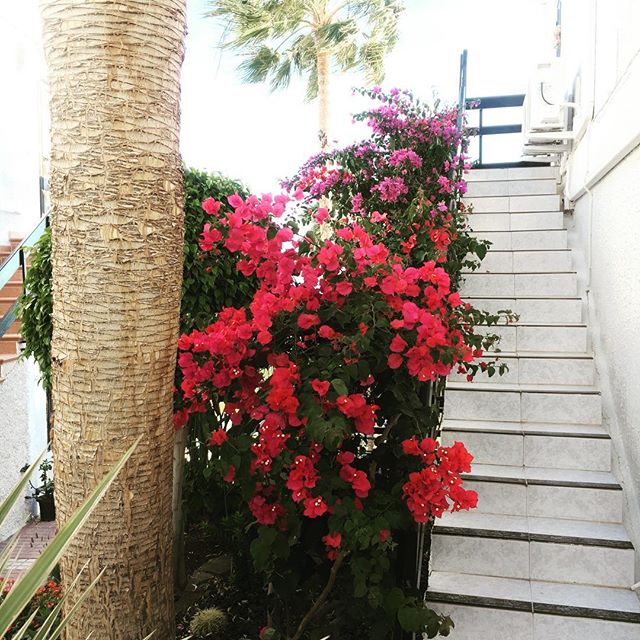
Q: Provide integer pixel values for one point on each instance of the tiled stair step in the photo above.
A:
(9, 344)
(481, 189)
(536, 261)
(537, 368)
(11, 289)
(506, 285)
(514, 204)
(534, 548)
(489, 608)
(516, 173)
(543, 239)
(523, 338)
(534, 310)
(5, 303)
(546, 493)
(525, 221)
(570, 446)
(527, 403)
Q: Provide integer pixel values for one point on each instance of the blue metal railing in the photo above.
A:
(18, 260)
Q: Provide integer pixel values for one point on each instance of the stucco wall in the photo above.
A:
(14, 438)
(606, 224)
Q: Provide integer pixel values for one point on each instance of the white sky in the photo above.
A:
(245, 131)
(260, 137)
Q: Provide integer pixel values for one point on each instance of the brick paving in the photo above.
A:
(32, 539)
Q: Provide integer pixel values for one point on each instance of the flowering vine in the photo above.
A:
(323, 379)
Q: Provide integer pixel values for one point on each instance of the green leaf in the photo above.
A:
(340, 387)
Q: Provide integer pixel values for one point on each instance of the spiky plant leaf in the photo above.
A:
(28, 584)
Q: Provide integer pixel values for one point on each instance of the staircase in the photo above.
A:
(544, 556)
(8, 295)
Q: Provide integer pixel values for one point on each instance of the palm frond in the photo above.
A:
(259, 64)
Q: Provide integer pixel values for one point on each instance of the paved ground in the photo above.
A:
(32, 539)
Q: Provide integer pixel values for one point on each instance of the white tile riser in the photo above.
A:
(510, 262)
(548, 501)
(537, 221)
(514, 204)
(505, 285)
(552, 452)
(523, 406)
(552, 562)
(515, 173)
(545, 240)
(481, 189)
(483, 623)
(548, 627)
(556, 339)
(523, 370)
(535, 310)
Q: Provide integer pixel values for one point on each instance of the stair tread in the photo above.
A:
(538, 527)
(527, 428)
(542, 475)
(578, 596)
(510, 387)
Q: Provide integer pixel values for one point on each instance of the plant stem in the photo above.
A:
(323, 596)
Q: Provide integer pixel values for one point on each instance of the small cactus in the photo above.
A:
(208, 623)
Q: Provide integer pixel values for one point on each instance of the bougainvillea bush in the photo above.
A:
(44, 600)
(324, 383)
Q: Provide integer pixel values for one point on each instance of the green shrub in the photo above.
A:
(208, 623)
(35, 305)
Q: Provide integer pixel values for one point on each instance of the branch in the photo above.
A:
(381, 440)
(323, 596)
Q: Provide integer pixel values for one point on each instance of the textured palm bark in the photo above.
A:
(322, 63)
(117, 220)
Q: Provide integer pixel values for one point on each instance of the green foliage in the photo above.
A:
(35, 307)
(208, 283)
(281, 38)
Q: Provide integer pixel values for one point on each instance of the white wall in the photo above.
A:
(22, 144)
(600, 47)
(22, 121)
(21, 403)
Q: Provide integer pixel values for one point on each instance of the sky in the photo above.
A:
(248, 133)
(259, 137)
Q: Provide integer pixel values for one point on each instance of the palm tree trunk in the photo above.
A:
(117, 225)
(322, 62)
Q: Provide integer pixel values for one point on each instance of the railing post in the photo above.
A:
(462, 87)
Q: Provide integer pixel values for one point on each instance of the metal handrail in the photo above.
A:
(18, 260)
(462, 87)
(494, 102)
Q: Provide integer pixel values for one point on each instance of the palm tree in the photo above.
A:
(279, 38)
(117, 229)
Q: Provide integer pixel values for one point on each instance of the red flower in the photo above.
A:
(333, 540)
(211, 206)
(308, 320)
(218, 437)
(385, 534)
(394, 361)
(398, 345)
(321, 387)
(230, 475)
(345, 457)
(315, 507)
